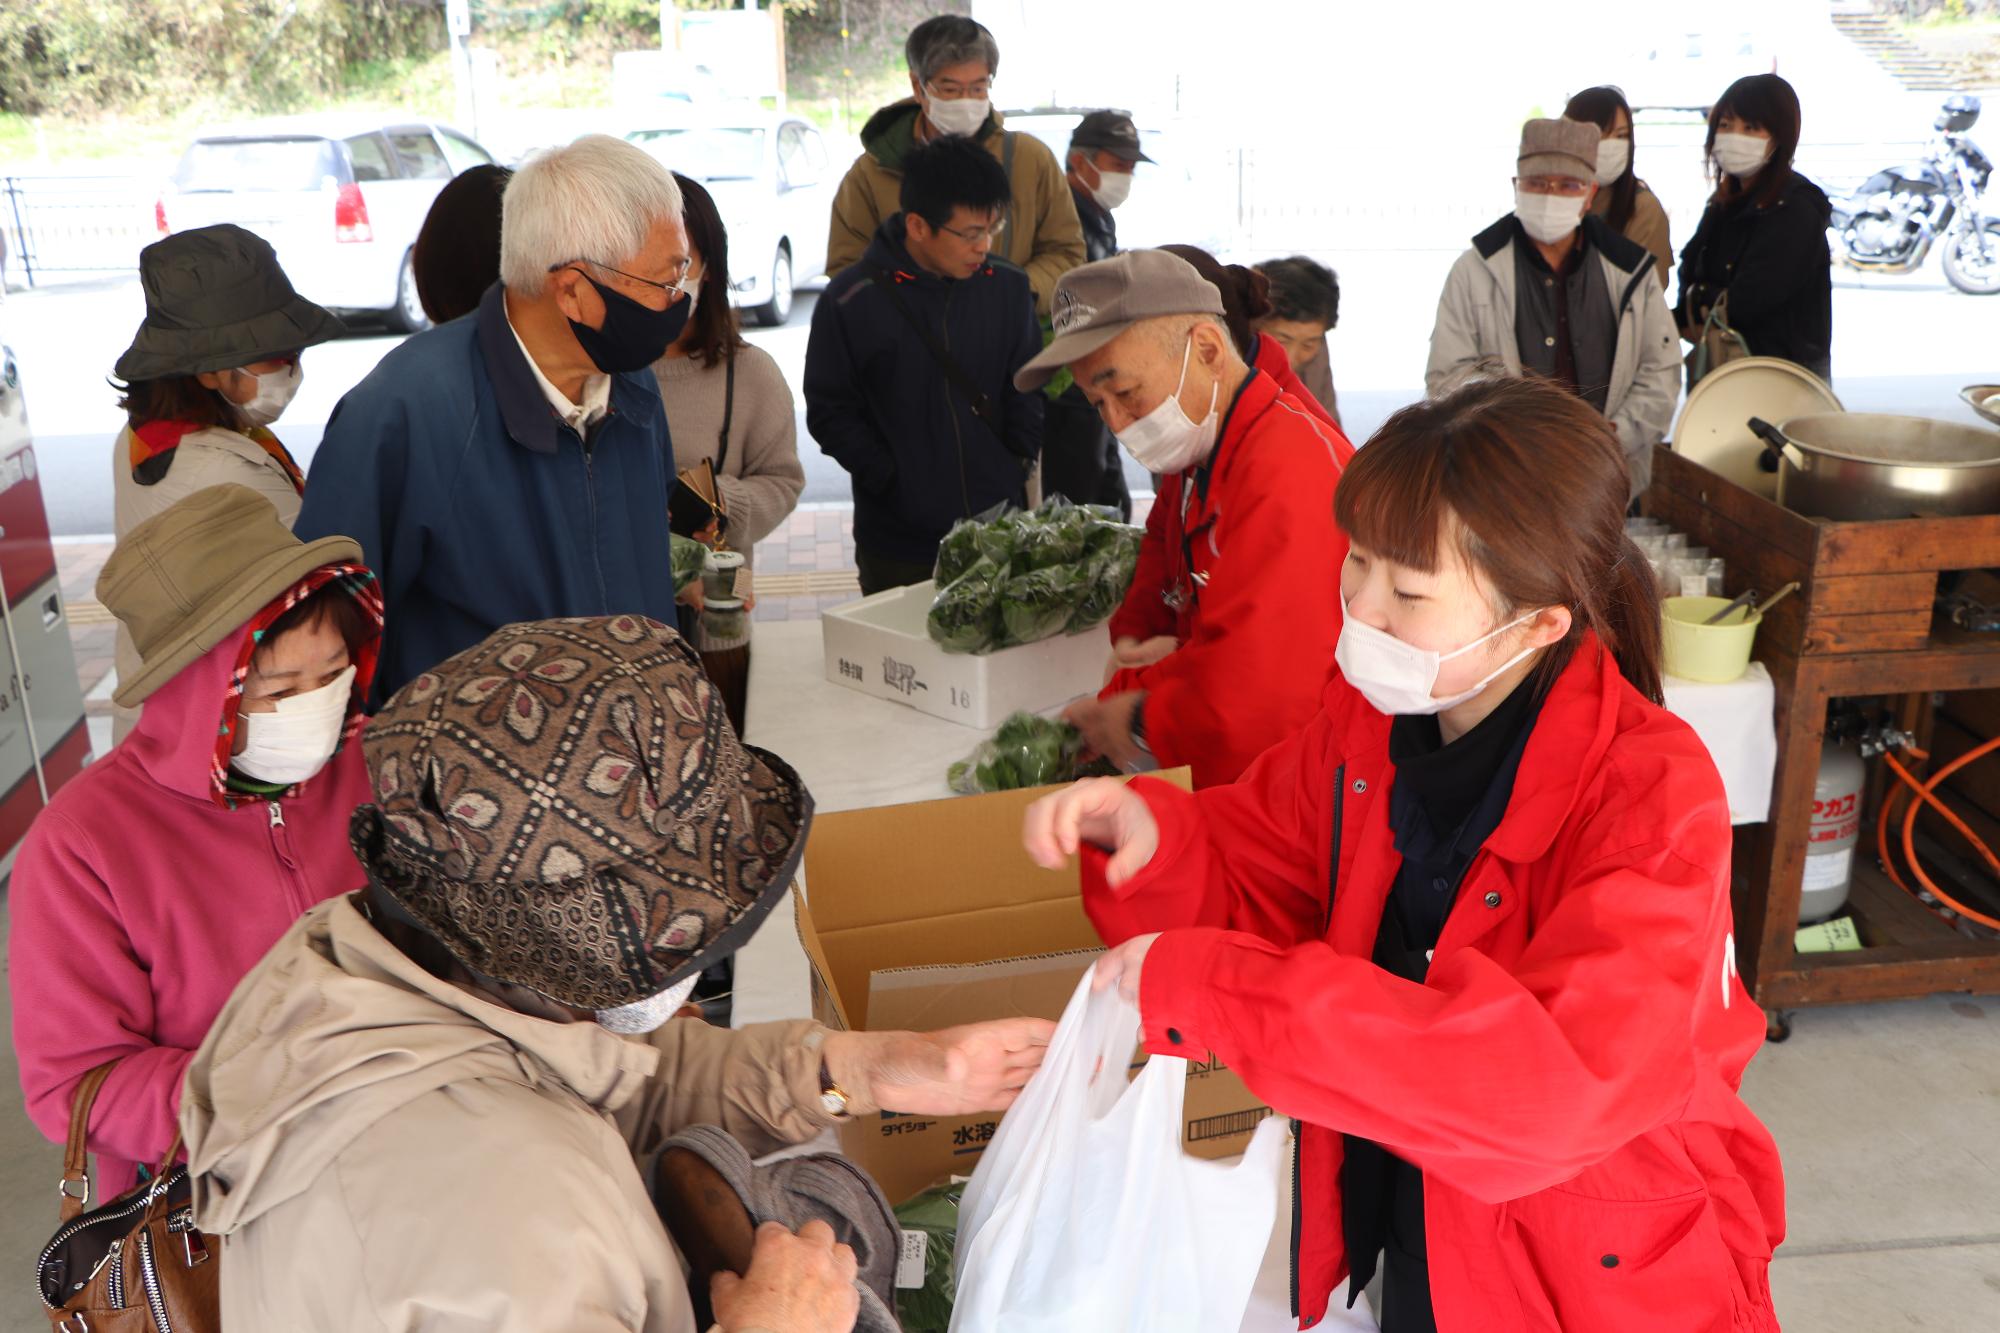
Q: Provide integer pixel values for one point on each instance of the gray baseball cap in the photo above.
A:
(1112, 131)
(1095, 303)
(1558, 148)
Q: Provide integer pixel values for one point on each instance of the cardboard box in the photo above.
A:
(924, 916)
(881, 645)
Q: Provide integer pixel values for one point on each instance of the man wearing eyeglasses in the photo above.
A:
(1551, 290)
(952, 62)
(516, 465)
(909, 370)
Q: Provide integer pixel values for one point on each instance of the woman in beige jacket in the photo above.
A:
(728, 404)
(434, 1105)
(1623, 200)
(213, 365)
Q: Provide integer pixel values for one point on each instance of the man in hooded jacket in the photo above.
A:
(952, 63)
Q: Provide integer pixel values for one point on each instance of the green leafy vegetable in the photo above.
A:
(687, 557)
(965, 617)
(1027, 751)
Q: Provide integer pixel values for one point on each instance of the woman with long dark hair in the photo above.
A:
(727, 404)
(1471, 928)
(1761, 247)
(1624, 201)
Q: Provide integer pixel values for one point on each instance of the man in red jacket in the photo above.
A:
(1226, 639)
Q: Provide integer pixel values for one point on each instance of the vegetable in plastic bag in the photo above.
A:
(934, 1213)
(1027, 751)
(957, 551)
(1036, 605)
(965, 616)
(687, 556)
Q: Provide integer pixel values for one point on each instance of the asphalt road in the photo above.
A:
(1901, 345)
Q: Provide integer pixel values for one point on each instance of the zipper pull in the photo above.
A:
(277, 815)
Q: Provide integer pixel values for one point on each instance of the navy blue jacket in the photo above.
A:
(477, 507)
(879, 405)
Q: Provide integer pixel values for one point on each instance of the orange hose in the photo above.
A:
(1924, 792)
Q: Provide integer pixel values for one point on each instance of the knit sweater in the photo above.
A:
(761, 479)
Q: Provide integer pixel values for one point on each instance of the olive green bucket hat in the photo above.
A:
(195, 573)
(216, 299)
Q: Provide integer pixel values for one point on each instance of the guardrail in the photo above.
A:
(75, 224)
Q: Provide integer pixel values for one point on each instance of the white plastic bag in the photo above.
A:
(1084, 1212)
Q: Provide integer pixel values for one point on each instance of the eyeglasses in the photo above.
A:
(1567, 186)
(675, 290)
(951, 92)
(975, 235)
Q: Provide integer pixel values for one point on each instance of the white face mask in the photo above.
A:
(1548, 217)
(274, 393)
(1112, 189)
(1613, 156)
(294, 742)
(642, 1016)
(1165, 439)
(1741, 155)
(1398, 677)
(958, 115)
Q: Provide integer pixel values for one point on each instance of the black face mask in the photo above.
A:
(633, 336)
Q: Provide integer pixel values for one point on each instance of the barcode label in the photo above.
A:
(910, 1263)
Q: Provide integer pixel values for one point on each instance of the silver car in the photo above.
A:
(340, 198)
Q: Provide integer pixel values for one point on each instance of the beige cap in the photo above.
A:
(1097, 302)
(195, 573)
(1559, 148)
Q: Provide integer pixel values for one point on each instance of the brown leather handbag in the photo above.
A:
(135, 1264)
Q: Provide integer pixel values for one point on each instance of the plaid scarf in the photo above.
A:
(358, 583)
(159, 439)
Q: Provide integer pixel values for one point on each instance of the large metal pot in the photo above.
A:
(1867, 465)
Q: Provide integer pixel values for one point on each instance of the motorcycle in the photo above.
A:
(1891, 222)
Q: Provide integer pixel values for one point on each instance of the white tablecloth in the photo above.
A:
(1738, 724)
(855, 752)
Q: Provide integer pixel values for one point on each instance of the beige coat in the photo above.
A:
(204, 458)
(1041, 232)
(1648, 227)
(383, 1150)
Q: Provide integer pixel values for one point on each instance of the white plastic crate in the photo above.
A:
(882, 646)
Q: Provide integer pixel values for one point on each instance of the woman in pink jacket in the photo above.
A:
(153, 882)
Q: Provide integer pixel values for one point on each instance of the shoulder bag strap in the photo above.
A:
(75, 1184)
(728, 413)
(976, 397)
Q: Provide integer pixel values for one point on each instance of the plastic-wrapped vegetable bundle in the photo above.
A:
(1037, 605)
(1054, 535)
(965, 617)
(687, 557)
(934, 1214)
(1027, 751)
(957, 551)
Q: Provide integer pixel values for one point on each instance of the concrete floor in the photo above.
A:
(1888, 1116)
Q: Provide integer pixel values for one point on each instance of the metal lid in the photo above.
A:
(1983, 399)
(1714, 429)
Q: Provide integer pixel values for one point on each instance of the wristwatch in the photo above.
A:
(1139, 725)
(833, 1098)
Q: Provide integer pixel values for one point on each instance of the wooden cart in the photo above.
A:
(1862, 624)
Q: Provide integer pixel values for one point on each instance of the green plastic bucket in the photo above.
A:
(1716, 654)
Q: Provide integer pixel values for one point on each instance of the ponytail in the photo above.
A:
(1624, 614)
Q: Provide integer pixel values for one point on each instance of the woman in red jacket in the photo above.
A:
(1471, 929)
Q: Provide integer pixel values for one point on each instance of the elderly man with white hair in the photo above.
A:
(515, 465)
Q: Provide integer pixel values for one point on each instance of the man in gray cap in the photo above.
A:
(1226, 639)
(1552, 290)
(1103, 149)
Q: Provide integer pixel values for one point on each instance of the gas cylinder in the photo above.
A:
(1836, 827)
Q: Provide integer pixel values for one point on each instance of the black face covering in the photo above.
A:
(633, 336)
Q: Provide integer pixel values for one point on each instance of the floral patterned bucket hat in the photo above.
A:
(565, 807)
